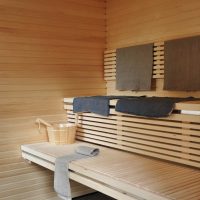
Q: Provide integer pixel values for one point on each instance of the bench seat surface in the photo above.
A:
(142, 176)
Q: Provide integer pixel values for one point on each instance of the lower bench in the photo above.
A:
(122, 175)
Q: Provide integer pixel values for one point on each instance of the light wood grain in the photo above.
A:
(49, 50)
(158, 65)
(159, 21)
(157, 76)
(175, 138)
(120, 174)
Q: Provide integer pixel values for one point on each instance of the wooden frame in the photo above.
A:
(127, 176)
(48, 162)
(175, 138)
(157, 75)
(121, 175)
(43, 159)
(158, 64)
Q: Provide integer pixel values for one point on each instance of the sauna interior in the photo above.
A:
(51, 50)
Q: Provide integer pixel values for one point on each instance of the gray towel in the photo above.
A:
(61, 176)
(149, 106)
(182, 64)
(94, 104)
(134, 67)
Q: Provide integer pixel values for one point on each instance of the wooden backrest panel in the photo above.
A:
(158, 67)
(175, 138)
(157, 75)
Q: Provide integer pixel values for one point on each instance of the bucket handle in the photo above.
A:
(40, 121)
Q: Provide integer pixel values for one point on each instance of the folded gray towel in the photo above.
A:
(87, 151)
(61, 176)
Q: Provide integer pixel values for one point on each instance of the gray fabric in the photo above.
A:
(61, 176)
(182, 64)
(150, 106)
(94, 104)
(134, 67)
(87, 151)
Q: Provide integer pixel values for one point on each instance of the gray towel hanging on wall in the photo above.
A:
(182, 64)
(134, 67)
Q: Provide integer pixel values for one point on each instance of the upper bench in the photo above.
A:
(175, 138)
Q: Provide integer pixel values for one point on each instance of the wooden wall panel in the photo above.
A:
(48, 50)
(157, 76)
(136, 22)
(51, 49)
(133, 22)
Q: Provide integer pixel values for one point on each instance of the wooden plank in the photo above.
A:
(158, 57)
(101, 187)
(158, 67)
(172, 117)
(109, 78)
(110, 75)
(188, 105)
(141, 133)
(110, 63)
(109, 55)
(159, 137)
(128, 181)
(49, 57)
(135, 150)
(110, 59)
(161, 43)
(158, 53)
(103, 122)
(140, 138)
(158, 71)
(110, 67)
(158, 62)
(143, 145)
(125, 32)
(110, 51)
(158, 48)
(68, 100)
(109, 70)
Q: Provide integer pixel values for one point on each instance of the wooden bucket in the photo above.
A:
(60, 133)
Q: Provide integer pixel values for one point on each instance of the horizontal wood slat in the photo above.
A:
(158, 63)
(119, 174)
(157, 76)
(48, 50)
(175, 138)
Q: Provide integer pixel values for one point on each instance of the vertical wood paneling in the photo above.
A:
(48, 50)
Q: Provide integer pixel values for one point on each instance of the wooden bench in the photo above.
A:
(44, 154)
(175, 138)
(122, 175)
(165, 167)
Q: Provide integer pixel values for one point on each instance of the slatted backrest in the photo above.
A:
(158, 64)
(157, 75)
(175, 138)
